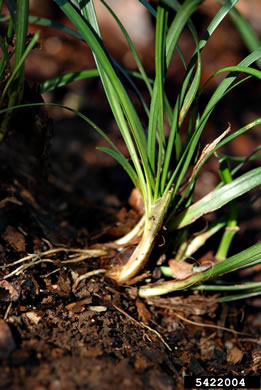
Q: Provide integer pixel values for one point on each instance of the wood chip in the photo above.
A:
(33, 317)
(76, 307)
(143, 312)
(98, 309)
(9, 292)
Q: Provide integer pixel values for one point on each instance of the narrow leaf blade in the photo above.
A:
(218, 198)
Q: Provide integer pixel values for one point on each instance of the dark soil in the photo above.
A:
(59, 331)
(94, 336)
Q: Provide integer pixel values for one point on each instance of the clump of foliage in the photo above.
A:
(159, 165)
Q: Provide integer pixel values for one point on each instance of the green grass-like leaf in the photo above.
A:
(122, 107)
(67, 78)
(218, 198)
(159, 165)
(247, 33)
(245, 258)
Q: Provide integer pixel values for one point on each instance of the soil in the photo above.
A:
(60, 332)
(63, 324)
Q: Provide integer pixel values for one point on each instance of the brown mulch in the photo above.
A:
(95, 338)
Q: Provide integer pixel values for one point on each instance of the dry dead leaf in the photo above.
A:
(234, 355)
(180, 269)
(194, 304)
(206, 151)
(14, 238)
